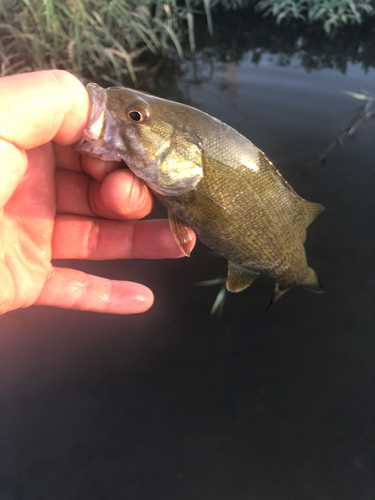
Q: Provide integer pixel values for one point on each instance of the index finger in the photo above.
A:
(38, 107)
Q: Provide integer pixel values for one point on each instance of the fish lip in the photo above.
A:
(90, 132)
(96, 124)
(99, 135)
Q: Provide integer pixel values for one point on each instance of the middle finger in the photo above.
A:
(120, 196)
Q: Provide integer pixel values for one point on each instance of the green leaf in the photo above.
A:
(207, 9)
(218, 305)
(216, 281)
(361, 97)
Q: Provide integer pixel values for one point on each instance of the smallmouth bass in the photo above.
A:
(210, 178)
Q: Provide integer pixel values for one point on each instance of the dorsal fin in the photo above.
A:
(238, 279)
(312, 210)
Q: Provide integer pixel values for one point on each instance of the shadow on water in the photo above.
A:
(175, 404)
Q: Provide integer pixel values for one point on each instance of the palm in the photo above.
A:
(26, 226)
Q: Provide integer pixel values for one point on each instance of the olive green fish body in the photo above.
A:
(243, 225)
(212, 179)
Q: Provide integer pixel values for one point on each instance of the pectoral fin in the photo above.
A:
(200, 191)
(181, 233)
(180, 163)
(238, 279)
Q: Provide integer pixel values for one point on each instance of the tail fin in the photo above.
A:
(277, 295)
(310, 281)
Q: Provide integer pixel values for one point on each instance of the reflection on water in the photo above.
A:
(173, 404)
(258, 40)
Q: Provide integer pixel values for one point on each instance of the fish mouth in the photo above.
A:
(95, 129)
(99, 135)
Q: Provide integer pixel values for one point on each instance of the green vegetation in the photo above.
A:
(331, 13)
(106, 38)
(364, 113)
(218, 305)
(90, 37)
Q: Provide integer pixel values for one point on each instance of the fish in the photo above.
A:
(211, 179)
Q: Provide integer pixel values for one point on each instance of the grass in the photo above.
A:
(91, 37)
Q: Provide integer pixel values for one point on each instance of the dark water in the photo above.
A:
(176, 405)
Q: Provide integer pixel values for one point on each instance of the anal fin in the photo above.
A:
(181, 233)
(238, 279)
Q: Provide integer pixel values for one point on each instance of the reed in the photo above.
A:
(91, 37)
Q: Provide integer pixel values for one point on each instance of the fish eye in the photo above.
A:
(137, 114)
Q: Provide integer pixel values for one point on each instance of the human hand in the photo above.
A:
(55, 203)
